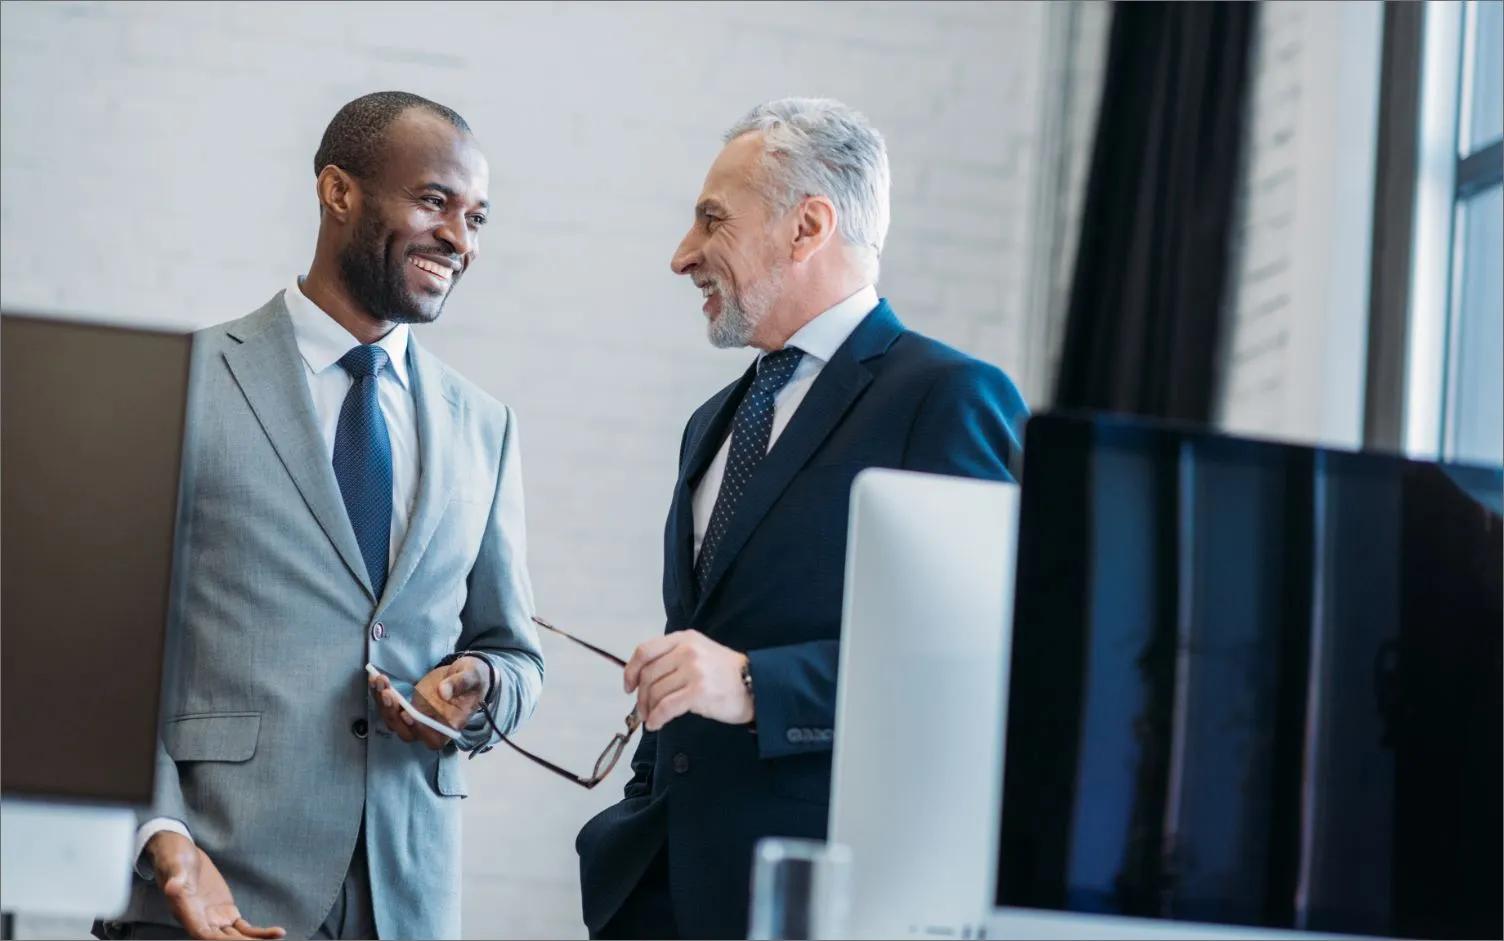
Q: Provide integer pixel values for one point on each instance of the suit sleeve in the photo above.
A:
(167, 812)
(496, 621)
(168, 799)
(794, 695)
(970, 424)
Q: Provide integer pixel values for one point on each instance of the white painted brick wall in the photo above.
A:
(155, 166)
(1296, 350)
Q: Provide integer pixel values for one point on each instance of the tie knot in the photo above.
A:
(363, 361)
(775, 369)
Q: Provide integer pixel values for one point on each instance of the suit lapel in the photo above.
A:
(702, 451)
(269, 370)
(835, 389)
(437, 404)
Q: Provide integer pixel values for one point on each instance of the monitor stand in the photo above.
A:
(65, 859)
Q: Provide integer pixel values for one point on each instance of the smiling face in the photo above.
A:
(732, 250)
(418, 223)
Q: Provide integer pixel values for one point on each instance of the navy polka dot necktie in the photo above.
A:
(751, 430)
(363, 461)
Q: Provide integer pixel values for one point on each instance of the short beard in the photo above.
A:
(378, 288)
(741, 315)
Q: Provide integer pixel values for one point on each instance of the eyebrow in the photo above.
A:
(449, 193)
(708, 205)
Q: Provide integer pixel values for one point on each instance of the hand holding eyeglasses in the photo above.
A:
(687, 672)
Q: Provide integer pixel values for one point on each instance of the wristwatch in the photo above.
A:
(747, 682)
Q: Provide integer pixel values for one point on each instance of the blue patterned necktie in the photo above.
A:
(363, 461)
(751, 430)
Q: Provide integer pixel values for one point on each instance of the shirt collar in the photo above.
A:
(821, 337)
(322, 341)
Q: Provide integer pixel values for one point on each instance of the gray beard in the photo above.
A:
(741, 316)
(733, 328)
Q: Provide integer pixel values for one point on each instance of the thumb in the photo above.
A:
(177, 882)
(172, 870)
(465, 678)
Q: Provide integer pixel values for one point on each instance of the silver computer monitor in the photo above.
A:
(93, 419)
(920, 694)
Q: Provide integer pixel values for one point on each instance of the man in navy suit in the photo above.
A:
(738, 697)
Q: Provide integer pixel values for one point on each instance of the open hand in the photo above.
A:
(197, 894)
(687, 672)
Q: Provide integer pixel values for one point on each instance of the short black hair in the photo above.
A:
(354, 140)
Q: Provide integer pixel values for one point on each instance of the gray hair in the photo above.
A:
(820, 147)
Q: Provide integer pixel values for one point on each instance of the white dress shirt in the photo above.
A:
(321, 343)
(819, 339)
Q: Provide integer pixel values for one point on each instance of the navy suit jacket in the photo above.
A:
(887, 398)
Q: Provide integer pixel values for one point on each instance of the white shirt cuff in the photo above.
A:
(149, 829)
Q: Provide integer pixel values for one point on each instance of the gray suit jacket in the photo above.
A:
(266, 754)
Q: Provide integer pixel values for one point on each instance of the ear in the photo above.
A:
(339, 193)
(816, 225)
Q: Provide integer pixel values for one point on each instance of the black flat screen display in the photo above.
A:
(1254, 684)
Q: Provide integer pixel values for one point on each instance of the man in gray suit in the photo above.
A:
(355, 501)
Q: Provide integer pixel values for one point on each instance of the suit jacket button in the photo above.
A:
(378, 631)
(359, 728)
(681, 763)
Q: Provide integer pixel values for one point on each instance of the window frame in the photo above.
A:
(1447, 179)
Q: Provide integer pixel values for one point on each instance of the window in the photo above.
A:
(1455, 363)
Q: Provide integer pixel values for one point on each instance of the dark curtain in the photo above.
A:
(1143, 328)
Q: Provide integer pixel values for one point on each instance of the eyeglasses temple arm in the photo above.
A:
(586, 644)
(583, 782)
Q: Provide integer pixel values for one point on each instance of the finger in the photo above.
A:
(676, 662)
(647, 652)
(401, 729)
(400, 717)
(379, 683)
(655, 694)
(669, 708)
(395, 721)
(462, 681)
(390, 714)
(402, 725)
(251, 931)
(387, 713)
(658, 669)
(391, 722)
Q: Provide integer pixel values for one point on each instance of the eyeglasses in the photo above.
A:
(612, 753)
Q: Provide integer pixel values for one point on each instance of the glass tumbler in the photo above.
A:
(801, 889)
